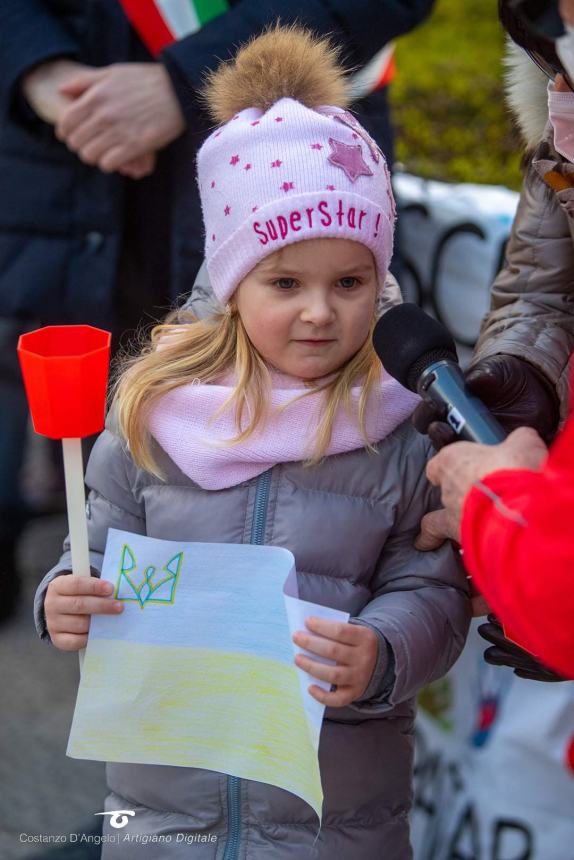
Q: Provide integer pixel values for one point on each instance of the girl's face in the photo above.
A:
(308, 308)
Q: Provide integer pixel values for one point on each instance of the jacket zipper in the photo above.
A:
(234, 782)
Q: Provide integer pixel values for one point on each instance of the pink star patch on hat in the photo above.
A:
(349, 158)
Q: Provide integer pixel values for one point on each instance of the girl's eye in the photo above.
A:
(285, 283)
(348, 283)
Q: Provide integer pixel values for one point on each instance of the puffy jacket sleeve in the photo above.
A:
(532, 301)
(518, 546)
(420, 606)
(363, 27)
(111, 504)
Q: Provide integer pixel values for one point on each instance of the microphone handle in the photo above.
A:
(443, 383)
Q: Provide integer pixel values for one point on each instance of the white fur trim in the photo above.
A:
(526, 93)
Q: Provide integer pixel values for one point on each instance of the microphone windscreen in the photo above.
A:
(408, 341)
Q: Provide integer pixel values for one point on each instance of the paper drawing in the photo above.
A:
(206, 631)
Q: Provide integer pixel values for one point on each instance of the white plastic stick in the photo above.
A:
(76, 504)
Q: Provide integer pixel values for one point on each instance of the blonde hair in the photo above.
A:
(205, 350)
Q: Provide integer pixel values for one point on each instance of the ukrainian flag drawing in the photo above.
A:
(198, 670)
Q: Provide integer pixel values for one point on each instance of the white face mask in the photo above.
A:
(561, 114)
(565, 50)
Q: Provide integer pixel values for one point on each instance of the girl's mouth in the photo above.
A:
(314, 342)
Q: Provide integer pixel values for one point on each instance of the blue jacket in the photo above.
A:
(79, 245)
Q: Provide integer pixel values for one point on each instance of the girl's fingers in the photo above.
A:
(335, 698)
(71, 584)
(338, 631)
(324, 647)
(339, 675)
(77, 624)
(69, 641)
(81, 605)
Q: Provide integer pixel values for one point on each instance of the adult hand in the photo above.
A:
(457, 467)
(120, 113)
(137, 168)
(505, 653)
(436, 527)
(69, 604)
(354, 649)
(516, 394)
(41, 87)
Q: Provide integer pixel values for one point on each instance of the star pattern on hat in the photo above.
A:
(248, 167)
(316, 146)
(349, 159)
(287, 186)
(234, 160)
(227, 209)
(347, 118)
(276, 163)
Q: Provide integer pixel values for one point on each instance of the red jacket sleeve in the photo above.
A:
(518, 542)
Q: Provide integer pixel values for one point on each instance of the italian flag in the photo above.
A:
(161, 22)
(379, 72)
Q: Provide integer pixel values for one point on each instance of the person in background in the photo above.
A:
(511, 505)
(99, 128)
(521, 365)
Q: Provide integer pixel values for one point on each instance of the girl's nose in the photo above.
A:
(318, 310)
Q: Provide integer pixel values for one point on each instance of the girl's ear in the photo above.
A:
(230, 308)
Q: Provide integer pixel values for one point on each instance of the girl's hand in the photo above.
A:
(70, 600)
(353, 647)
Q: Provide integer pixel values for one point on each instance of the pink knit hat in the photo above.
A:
(268, 178)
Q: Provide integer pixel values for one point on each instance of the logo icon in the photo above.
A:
(455, 419)
(154, 586)
(118, 817)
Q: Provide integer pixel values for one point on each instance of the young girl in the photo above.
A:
(272, 422)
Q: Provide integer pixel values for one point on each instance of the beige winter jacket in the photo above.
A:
(532, 302)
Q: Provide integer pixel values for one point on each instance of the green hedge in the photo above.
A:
(447, 98)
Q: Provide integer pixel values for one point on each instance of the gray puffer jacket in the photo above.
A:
(350, 523)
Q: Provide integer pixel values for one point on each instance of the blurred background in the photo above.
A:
(447, 98)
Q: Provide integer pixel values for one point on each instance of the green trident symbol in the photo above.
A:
(154, 587)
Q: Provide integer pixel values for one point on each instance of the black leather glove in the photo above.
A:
(506, 653)
(514, 391)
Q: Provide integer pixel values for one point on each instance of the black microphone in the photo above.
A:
(420, 354)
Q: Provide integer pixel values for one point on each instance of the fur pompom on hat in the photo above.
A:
(290, 163)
